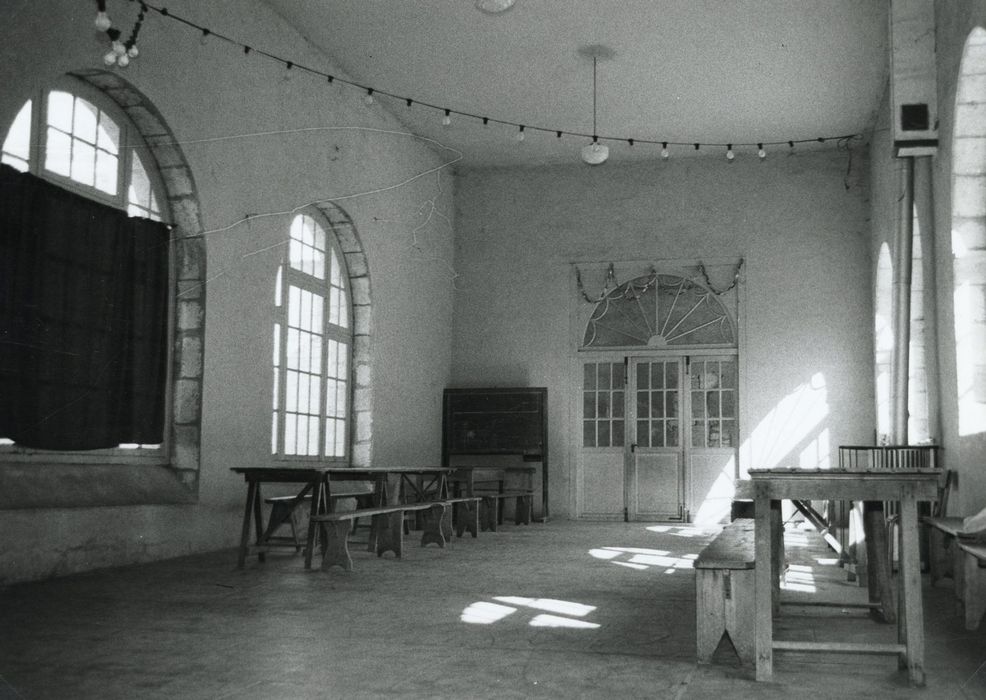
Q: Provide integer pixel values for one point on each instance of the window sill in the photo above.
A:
(25, 486)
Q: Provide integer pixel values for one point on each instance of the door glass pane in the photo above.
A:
(671, 401)
(643, 404)
(672, 374)
(589, 433)
(643, 433)
(589, 376)
(604, 433)
(618, 404)
(672, 438)
(603, 404)
(657, 401)
(657, 375)
(618, 376)
(643, 376)
(604, 376)
(618, 433)
(588, 404)
(657, 434)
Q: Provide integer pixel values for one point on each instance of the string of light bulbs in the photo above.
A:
(121, 52)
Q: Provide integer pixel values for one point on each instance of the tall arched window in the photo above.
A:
(312, 346)
(76, 138)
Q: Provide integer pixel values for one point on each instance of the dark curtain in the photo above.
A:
(83, 319)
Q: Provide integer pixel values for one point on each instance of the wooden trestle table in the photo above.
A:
(909, 487)
(421, 483)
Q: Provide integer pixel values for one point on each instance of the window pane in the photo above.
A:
(273, 434)
(340, 446)
(108, 137)
(291, 394)
(277, 344)
(18, 141)
(83, 163)
(58, 153)
(60, 110)
(84, 123)
(604, 370)
(618, 433)
(604, 433)
(588, 404)
(671, 401)
(294, 306)
(617, 404)
(657, 434)
(15, 163)
(603, 404)
(672, 374)
(290, 434)
(140, 185)
(671, 436)
(619, 375)
(643, 433)
(657, 375)
(336, 274)
(657, 401)
(589, 376)
(728, 407)
(106, 166)
(589, 433)
(643, 404)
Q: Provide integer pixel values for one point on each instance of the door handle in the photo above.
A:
(633, 447)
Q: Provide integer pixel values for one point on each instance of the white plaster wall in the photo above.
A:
(805, 238)
(965, 454)
(208, 91)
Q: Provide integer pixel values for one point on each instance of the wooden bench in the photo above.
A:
(974, 590)
(724, 592)
(283, 511)
(387, 531)
(463, 515)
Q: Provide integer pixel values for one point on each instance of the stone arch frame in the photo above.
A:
(188, 334)
(968, 179)
(358, 269)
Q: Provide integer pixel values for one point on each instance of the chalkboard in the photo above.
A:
(498, 421)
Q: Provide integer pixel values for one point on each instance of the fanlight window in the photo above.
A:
(659, 310)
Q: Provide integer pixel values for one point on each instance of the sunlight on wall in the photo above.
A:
(969, 236)
(787, 426)
(486, 613)
(717, 503)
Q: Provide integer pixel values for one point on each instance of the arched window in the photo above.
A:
(312, 346)
(75, 137)
(884, 341)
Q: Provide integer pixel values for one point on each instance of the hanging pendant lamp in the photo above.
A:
(595, 153)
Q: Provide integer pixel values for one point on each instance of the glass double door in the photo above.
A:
(657, 434)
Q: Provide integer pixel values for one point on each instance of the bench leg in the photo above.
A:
(433, 524)
(974, 592)
(335, 550)
(388, 531)
(466, 518)
(710, 622)
(740, 614)
(939, 557)
(488, 513)
(524, 508)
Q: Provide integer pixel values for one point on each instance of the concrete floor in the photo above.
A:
(555, 610)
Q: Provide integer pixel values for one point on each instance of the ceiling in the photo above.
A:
(707, 71)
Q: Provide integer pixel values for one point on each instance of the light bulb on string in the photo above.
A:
(595, 153)
(730, 156)
(205, 36)
(520, 134)
(368, 98)
(665, 153)
(761, 154)
(102, 21)
(447, 119)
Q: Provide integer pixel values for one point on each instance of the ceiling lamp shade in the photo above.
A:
(494, 6)
(595, 153)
